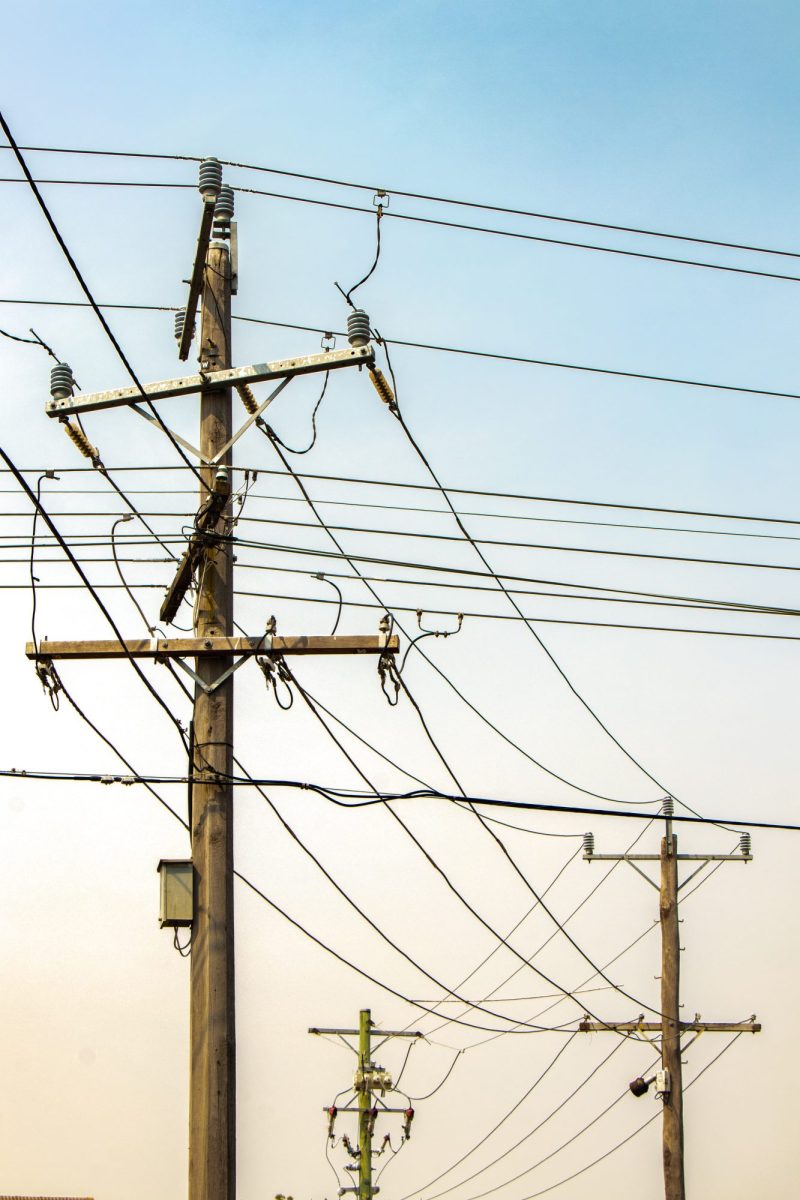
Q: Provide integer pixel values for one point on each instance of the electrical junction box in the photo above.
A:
(176, 906)
(662, 1083)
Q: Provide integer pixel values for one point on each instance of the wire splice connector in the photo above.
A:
(381, 385)
(247, 398)
(79, 438)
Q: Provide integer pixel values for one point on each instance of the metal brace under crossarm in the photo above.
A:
(329, 360)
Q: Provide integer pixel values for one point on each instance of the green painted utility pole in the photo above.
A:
(366, 1121)
(370, 1085)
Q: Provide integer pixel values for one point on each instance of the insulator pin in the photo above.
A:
(668, 807)
(247, 398)
(358, 332)
(79, 439)
(588, 845)
(180, 319)
(381, 385)
(223, 212)
(745, 845)
(210, 180)
(61, 381)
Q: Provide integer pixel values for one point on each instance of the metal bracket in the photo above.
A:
(208, 688)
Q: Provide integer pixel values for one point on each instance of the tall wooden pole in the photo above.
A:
(365, 1107)
(670, 1019)
(212, 1087)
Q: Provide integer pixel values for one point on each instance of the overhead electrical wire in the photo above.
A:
(39, 507)
(445, 877)
(449, 201)
(89, 297)
(495, 356)
(339, 796)
(437, 222)
(419, 487)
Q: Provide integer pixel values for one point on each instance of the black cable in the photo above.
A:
(553, 1112)
(122, 579)
(313, 441)
(453, 349)
(449, 1072)
(84, 287)
(436, 865)
(450, 201)
(419, 1190)
(348, 294)
(627, 1139)
(565, 677)
(437, 222)
(351, 560)
(421, 487)
(515, 865)
(98, 601)
(364, 916)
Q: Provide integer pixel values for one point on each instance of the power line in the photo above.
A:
(450, 201)
(90, 298)
(495, 356)
(360, 799)
(39, 507)
(437, 222)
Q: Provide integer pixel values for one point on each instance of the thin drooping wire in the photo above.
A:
(630, 1136)
(530, 1133)
(435, 864)
(434, 199)
(561, 1050)
(495, 950)
(446, 1076)
(356, 908)
(567, 919)
(539, 640)
(314, 412)
(39, 507)
(90, 298)
(33, 579)
(351, 561)
(515, 865)
(122, 579)
(349, 294)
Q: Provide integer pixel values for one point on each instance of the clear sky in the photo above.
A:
(680, 118)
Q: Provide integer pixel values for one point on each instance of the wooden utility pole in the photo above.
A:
(670, 1017)
(217, 653)
(212, 1071)
(669, 1081)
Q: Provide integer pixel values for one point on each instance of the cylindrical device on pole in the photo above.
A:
(212, 1091)
(364, 1106)
(210, 178)
(61, 381)
(358, 333)
(670, 1021)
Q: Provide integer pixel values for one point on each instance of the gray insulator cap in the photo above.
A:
(210, 180)
(668, 806)
(588, 843)
(745, 844)
(61, 381)
(223, 209)
(358, 332)
(180, 317)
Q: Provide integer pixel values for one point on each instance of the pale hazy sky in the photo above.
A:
(678, 118)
